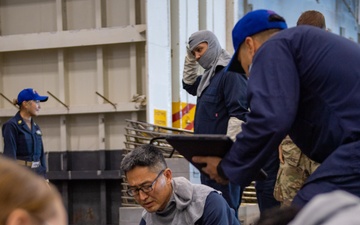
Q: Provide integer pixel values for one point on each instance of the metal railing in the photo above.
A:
(139, 133)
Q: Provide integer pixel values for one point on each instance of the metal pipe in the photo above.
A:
(57, 99)
(7, 99)
(106, 99)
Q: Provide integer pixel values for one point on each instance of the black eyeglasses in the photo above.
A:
(145, 188)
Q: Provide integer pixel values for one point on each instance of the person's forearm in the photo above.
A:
(190, 71)
(190, 68)
(234, 127)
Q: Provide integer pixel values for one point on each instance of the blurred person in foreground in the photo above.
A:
(27, 199)
(333, 208)
(305, 82)
(171, 200)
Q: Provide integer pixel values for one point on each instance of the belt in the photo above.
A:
(28, 163)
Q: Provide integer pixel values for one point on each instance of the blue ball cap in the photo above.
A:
(252, 23)
(30, 94)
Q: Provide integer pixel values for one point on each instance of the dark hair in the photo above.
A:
(313, 18)
(278, 216)
(144, 156)
(276, 18)
(265, 35)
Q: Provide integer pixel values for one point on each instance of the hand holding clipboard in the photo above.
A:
(211, 147)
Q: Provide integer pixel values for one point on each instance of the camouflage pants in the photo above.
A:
(293, 173)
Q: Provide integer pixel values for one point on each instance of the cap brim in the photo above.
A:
(42, 98)
(235, 65)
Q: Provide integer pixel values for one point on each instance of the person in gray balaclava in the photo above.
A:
(221, 97)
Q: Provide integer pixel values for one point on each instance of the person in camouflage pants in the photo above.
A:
(295, 168)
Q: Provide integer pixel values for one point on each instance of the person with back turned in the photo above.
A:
(295, 166)
(305, 82)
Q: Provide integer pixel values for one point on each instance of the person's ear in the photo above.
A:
(26, 104)
(168, 175)
(18, 217)
(250, 46)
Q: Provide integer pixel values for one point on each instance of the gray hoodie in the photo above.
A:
(334, 208)
(186, 205)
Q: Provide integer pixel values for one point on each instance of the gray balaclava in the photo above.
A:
(213, 57)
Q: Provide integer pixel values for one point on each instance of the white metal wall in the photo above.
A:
(73, 49)
(118, 48)
(170, 23)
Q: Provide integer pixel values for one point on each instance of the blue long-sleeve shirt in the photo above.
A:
(306, 82)
(22, 143)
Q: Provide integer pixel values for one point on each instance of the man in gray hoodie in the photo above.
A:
(169, 200)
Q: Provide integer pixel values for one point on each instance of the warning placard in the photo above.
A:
(160, 117)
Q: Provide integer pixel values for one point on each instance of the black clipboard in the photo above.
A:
(200, 145)
(203, 145)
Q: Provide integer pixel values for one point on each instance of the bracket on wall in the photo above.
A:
(57, 99)
(7, 99)
(106, 99)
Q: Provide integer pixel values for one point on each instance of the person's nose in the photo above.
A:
(197, 55)
(143, 195)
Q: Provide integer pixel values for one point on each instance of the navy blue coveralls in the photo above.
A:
(24, 144)
(304, 82)
(225, 97)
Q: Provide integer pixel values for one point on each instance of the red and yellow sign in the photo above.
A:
(183, 115)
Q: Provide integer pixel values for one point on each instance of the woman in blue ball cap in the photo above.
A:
(22, 136)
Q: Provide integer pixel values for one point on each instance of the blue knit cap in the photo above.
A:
(252, 23)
